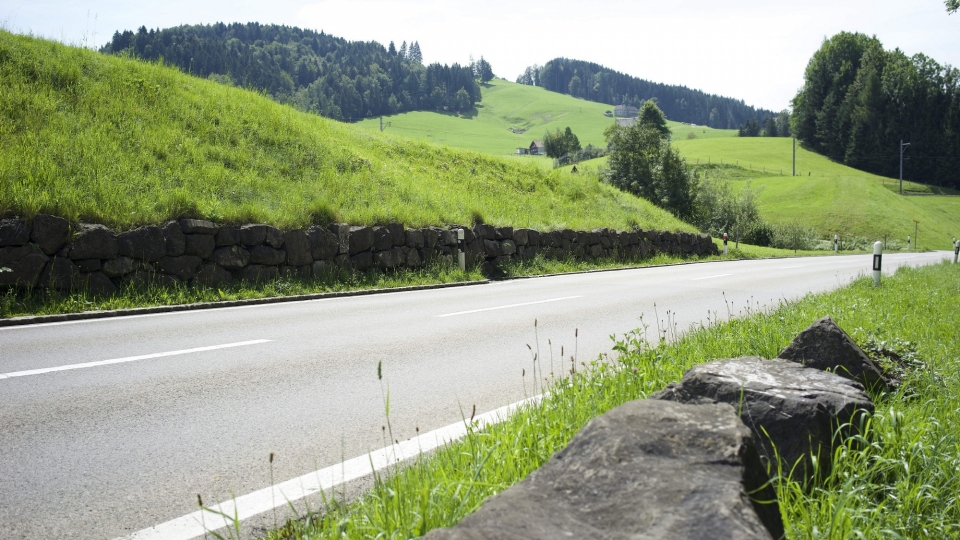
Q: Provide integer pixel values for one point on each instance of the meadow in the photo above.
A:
(897, 480)
(122, 142)
(513, 115)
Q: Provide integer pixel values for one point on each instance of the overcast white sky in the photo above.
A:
(753, 50)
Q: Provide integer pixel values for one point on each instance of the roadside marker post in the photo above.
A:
(461, 250)
(877, 256)
(836, 239)
(956, 251)
(908, 243)
(725, 238)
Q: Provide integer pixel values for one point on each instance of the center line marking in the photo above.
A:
(508, 306)
(128, 359)
(711, 277)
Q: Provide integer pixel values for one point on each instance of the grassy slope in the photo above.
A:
(508, 105)
(111, 140)
(829, 196)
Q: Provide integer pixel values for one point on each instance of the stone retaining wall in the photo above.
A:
(47, 253)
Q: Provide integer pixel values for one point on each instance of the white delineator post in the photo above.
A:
(461, 250)
(725, 238)
(956, 251)
(835, 243)
(877, 256)
(908, 242)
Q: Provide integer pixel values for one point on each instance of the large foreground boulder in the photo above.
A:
(646, 470)
(794, 411)
(825, 346)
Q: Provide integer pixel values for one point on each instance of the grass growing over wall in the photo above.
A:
(902, 483)
(116, 141)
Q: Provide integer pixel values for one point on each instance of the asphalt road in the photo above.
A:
(103, 451)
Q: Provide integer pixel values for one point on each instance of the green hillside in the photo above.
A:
(512, 115)
(833, 198)
(123, 142)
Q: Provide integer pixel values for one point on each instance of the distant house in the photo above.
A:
(537, 148)
(626, 111)
(626, 122)
(522, 151)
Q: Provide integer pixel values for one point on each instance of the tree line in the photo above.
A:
(859, 101)
(314, 71)
(594, 82)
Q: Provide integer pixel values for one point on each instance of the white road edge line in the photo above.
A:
(508, 306)
(40, 371)
(194, 524)
(711, 277)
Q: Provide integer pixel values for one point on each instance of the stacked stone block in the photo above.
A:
(46, 253)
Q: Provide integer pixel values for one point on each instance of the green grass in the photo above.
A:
(112, 140)
(831, 197)
(900, 481)
(509, 106)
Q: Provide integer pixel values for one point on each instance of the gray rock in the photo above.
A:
(504, 233)
(324, 245)
(253, 235)
(382, 239)
(824, 345)
(389, 259)
(145, 243)
(492, 248)
(430, 237)
(228, 235)
(213, 275)
(414, 239)
(94, 242)
(49, 232)
(645, 470)
(485, 232)
(14, 232)
(25, 264)
(533, 238)
(397, 234)
(97, 284)
(88, 265)
(342, 232)
(176, 240)
(508, 247)
(361, 239)
(183, 267)
(362, 261)
(791, 408)
(198, 226)
(200, 245)
(267, 255)
(596, 251)
(297, 245)
(118, 267)
(448, 238)
(274, 237)
(521, 236)
(413, 259)
(257, 273)
(60, 273)
(231, 257)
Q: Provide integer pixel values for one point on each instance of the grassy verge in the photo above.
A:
(899, 482)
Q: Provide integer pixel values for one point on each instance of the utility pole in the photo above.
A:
(902, 148)
(794, 156)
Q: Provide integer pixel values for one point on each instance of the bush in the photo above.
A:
(760, 234)
(794, 236)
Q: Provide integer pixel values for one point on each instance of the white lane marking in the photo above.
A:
(711, 277)
(194, 524)
(128, 359)
(509, 306)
